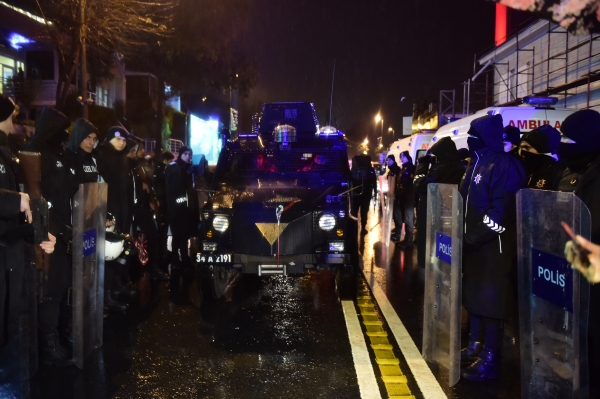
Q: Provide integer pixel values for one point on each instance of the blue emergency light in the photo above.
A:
(540, 101)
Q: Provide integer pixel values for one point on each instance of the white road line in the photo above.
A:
(429, 386)
(367, 383)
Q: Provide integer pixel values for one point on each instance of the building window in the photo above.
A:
(40, 65)
(102, 96)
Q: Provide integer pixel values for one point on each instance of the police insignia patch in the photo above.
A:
(477, 178)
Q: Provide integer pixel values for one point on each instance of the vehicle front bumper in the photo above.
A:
(297, 264)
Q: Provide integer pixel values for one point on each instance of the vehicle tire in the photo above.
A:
(346, 282)
(212, 281)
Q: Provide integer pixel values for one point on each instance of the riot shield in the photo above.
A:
(553, 299)
(443, 281)
(89, 220)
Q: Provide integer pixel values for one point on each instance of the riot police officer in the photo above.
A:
(404, 206)
(15, 227)
(114, 170)
(183, 217)
(58, 187)
(581, 155)
(489, 244)
(444, 167)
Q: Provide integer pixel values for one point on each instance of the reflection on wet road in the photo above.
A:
(281, 338)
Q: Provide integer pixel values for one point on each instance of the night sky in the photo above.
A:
(385, 50)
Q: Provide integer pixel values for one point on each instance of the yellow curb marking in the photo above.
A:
(394, 380)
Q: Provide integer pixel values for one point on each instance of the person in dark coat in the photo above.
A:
(15, 229)
(58, 187)
(511, 139)
(158, 183)
(183, 216)
(404, 202)
(114, 170)
(582, 176)
(363, 175)
(490, 242)
(81, 145)
(539, 165)
(445, 168)
(393, 170)
(113, 167)
(144, 206)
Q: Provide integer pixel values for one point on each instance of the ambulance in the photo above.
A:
(535, 112)
(416, 145)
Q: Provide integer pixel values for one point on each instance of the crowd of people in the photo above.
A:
(147, 202)
(498, 163)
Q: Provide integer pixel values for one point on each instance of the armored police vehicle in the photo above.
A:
(279, 204)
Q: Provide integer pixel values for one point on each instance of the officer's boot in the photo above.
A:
(469, 354)
(110, 290)
(112, 303)
(156, 273)
(65, 323)
(175, 284)
(52, 353)
(186, 283)
(486, 367)
(408, 241)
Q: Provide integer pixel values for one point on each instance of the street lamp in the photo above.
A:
(366, 142)
(393, 132)
(378, 119)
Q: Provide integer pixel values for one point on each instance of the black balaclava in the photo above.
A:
(583, 127)
(533, 162)
(553, 137)
(474, 142)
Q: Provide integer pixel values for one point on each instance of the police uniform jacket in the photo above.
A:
(586, 185)
(543, 177)
(182, 200)
(490, 242)
(11, 248)
(114, 169)
(58, 187)
(10, 200)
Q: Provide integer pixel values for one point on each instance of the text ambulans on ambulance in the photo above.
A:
(523, 117)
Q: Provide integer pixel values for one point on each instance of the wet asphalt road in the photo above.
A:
(282, 338)
(277, 338)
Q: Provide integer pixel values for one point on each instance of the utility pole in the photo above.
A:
(83, 63)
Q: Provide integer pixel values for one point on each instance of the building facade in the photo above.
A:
(544, 60)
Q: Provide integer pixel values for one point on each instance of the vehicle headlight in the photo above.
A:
(220, 223)
(326, 222)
